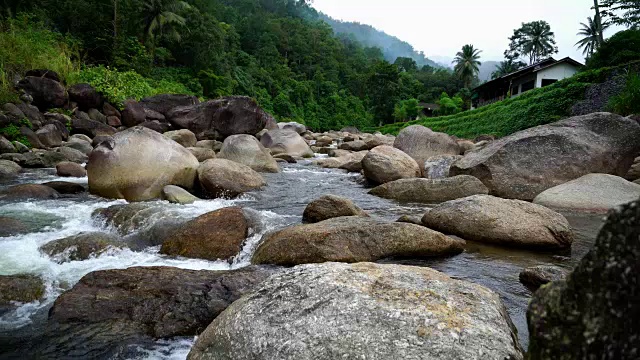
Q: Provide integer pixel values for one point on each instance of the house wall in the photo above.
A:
(556, 72)
(517, 84)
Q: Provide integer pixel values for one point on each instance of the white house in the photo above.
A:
(538, 75)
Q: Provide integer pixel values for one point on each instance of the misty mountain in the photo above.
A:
(486, 69)
(391, 46)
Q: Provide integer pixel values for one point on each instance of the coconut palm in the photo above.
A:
(506, 67)
(590, 36)
(467, 65)
(538, 41)
(161, 18)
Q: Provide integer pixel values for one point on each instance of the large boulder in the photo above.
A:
(46, 93)
(70, 169)
(212, 236)
(90, 127)
(247, 150)
(489, 219)
(594, 313)
(183, 137)
(385, 164)
(225, 178)
(437, 167)
(166, 102)
(137, 163)
(328, 207)
(362, 311)
(81, 246)
(133, 114)
(49, 136)
(86, 96)
(523, 165)
(286, 141)
(592, 192)
(32, 138)
(431, 190)
(352, 239)
(9, 169)
(19, 288)
(422, 143)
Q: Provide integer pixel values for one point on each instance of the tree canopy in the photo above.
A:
(533, 40)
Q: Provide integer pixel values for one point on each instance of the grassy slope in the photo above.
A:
(533, 108)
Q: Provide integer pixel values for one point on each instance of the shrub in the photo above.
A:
(621, 48)
(12, 133)
(628, 101)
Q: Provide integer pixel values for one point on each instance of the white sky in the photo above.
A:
(441, 28)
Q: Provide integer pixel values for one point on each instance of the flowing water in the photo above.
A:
(279, 205)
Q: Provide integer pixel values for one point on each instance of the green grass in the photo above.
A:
(533, 108)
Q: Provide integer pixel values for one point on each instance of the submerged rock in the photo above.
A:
(431, 191)
(594, 313)
(362, 311)
(352, 239)
(81, 247)
(536, 276)
(10, 227)
(489, 219)
(225, 178)
(64, 187)
(330, 206)
(385, 164)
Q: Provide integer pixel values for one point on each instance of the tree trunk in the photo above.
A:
(598, 20)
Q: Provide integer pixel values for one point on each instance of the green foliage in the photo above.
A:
(467, 64)
(26, 122)
(406, 110)
(449, 106)
(622, 12)
(534, 40)
(12, 133)
(628, 101)
(621, 48)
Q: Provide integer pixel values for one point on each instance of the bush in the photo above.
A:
(622, 48)
(628, 101)
(12, 133)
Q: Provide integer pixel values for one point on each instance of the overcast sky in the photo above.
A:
(441, 28)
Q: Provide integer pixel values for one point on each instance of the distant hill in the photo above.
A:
(391, 46)
(486, 69)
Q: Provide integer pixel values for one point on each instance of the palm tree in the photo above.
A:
(161, 17)
(506, 67)
(590, 36)
(538, 41)
(467, 65)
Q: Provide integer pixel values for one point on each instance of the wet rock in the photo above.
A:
(437, 167)
(410, 219)
(27, 192)
(422, 143)
(151, 223)
(297, 127)
(489, 219)
(368, 311)
(357, 145)
(524, 164)
(49, 136)
(41, 159)
(9, 169)
(385, 164)
(6, 146)
(46, 93)
(70, 169)
(212, 236)
(183, 137)
(592, 192)
(90, 127)
(202, 154)
(286, 141)
(137, 163)
(341, 161)
(431, 191)
(593, 313)
(19, 288)
(286, 157)
(536, 276)
(166, 102)
(225, 178)
(10, 227)
(247, 150)
(81, 247)
(177, 195)
(133, 114)
(86, 96)
(65, 187)
(73, 155)
(328, 207)
(352, 239)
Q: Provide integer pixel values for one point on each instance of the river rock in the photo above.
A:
(166, 102)
(90, 127)
(385, 164)
(83, 146)
(81, 247)
(592, 192)
(437, 167)
(323, 141)
(524, 164)
(14, 157)
(177, 195)
(632, 174)
(247, 150)
(65, 187)
(221, 178)
(32, 137)
(183, 137)
(150, 223)
(362, 311)
(292, 125)
(20, 147)
(286, 141)
(72, 154)
(19, 288)
(352, 239)
(10, 227)
(137, 163)
(431, 190)
(46, 93)
(489, 219)
(328, 207)
(28, 192)
(339, 162)
(202, 154)
(422, 143)
(209, 144)
(357, 145)
(6, 146)
(70, 169)
(593, 313)
(411, 219)
(9, 169)
(133, 114)
(96, 115)
(41, 159)
(86, 96)
(212, 236)
(285, 158)
(536, 276)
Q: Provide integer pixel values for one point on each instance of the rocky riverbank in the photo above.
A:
(171, 200)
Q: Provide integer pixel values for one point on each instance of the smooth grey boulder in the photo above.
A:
(183, 137)
(385, 164)
(286, 141)
(247, 150)
(41, 159)
(421, 143)
(226, 178)
(73, 155)
(437, 167)
(431, 191)
(177, 195)
(9, 169)
(361, 311)
(6, 146)
(292, 125)
(328, 207)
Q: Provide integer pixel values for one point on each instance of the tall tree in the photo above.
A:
(467, 64)
(160, 18)
(506, 67)
(622, 12)
(597, 23)
(590, 32)
(534, 40)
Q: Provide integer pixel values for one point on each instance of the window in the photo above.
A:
(529, 85)
(547, 82)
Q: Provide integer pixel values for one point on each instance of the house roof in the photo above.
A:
(544, 64)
